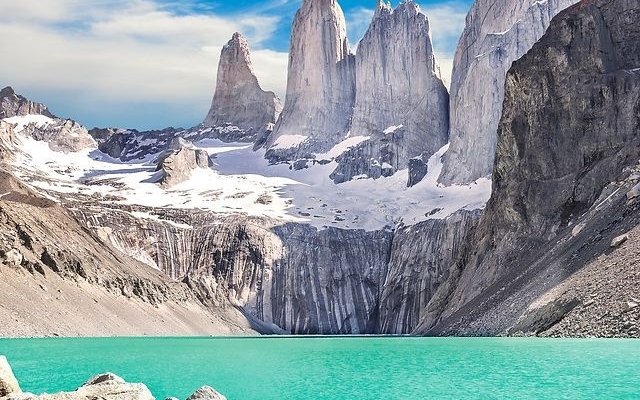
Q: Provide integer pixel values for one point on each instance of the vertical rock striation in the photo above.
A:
(497, 32)
(320, 84)
(567, 154)
(398, 84)
(239, 101)
(420, 257)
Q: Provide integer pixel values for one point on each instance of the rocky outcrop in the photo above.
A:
(497, 32)
(239, 101)
(206, 393)
(398, 84)
(176, 165)
(61, 135)
(420, 257)
(567, 155)
(132, 145)
(8, 382)
(7, 141)
(320, 84)
(12, 104)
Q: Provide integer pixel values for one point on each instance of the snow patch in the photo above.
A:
(289, 141)
(22, 121)
(392, 129)
(341, 147)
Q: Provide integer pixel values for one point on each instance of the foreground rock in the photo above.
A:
(240, 111)
(8, 382)
(106, 386)
(497, 32)
(206, 393)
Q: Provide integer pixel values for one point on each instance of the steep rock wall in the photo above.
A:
(567, 154)
(497, 32)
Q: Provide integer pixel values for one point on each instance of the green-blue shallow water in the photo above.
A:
(338, 368)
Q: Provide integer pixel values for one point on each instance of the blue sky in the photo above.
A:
(150, 64)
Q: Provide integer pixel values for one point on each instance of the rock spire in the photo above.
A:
(239, 101)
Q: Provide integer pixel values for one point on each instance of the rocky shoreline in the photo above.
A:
(105, 386)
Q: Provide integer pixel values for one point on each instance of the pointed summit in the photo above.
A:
(239, 101)
(320, 83)
(401, 102)
(12, 105)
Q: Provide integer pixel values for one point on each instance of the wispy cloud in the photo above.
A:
(121, 56)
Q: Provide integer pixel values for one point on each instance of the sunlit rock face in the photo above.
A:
(497, 32)
(320, 84)
(239, 101)
(401, 103)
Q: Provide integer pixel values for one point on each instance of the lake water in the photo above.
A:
(338, 368)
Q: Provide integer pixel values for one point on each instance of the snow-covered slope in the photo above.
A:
(242, 182)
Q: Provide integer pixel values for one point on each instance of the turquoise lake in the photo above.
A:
(338, 368)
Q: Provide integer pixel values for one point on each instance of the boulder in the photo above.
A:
(8, 382)
(206, 393)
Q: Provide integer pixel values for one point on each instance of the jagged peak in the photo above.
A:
(383, 7)
(7, 91)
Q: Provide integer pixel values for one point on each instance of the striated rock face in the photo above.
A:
(7, 140)
(398, 84)
(12, 104)
(320, 84)
(177, 164)
(292, 275)
(567, 157)
(238, 100)
(497, 32)
(420, 257)
(8, 382)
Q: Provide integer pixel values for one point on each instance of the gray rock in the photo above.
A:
(176, 165)
(107, 377)
(8, 382)
(61, 135)
(398, 84)
(619, 240)
(206, 393)
(566, 140)
(497, 32)
(239, 101)
(418, 168)
(320, 84)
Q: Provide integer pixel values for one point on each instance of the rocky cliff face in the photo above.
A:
(287, 275)
(497, 32)
(239, 101)
(420, 257)
(398, 84)
(320, 84)
(565, 171)
(12, 104)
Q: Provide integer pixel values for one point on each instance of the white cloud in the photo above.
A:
(134, 52)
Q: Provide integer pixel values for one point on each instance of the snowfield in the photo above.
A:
(242, 182)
